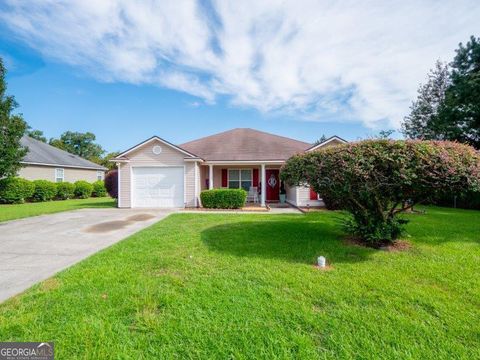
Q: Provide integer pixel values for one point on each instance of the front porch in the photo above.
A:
(260, 178)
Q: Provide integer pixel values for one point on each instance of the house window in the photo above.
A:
(240, 179)
(59, 175)
(99, 175)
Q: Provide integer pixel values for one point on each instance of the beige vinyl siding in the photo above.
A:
(334, 142)
(124, 179)
(190, 184)
(144, 156)
(303, 197)
(198, 187)
(37, 172)
(217, 176)
(291, 194)
(72, 175)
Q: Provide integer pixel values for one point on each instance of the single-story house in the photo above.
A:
(46, 162)
(157, 173)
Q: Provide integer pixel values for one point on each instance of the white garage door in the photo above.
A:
(157, 187)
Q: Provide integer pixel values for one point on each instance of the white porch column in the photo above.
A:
(210, 177)
(264, 187)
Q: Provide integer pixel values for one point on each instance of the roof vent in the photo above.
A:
(157, 150)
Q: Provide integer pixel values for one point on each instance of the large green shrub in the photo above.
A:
(83, 189)
(376, 180)
(99, 189)
(44, 190)
(15, 190)
(65, 190)
(223, 198)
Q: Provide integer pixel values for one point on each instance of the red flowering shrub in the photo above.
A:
(372, 179)
(111, 183)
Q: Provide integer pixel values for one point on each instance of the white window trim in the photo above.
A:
(58, 177)
(239, 177)
(119, 181)
(100, 174)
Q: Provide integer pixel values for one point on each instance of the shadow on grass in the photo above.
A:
(299, 240)
(440, 225)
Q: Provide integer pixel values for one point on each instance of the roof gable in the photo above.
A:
(40, 153)
(148, 141)
(327, 142)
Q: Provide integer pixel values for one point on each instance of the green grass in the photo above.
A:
(19, 211)
(218, 286)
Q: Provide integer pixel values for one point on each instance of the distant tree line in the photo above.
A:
(78, 143)
(448, 104)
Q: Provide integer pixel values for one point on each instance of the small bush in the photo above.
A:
(83, 189)
(15, 190)
(99, 189)
(65, 190)
(111, 183)
(223, 198)
(44, 190)
(376, 233)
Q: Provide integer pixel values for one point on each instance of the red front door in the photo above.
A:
(272, 185)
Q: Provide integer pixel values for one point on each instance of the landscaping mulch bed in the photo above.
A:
(399, 245)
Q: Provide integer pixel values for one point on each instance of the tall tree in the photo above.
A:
(105, 161)
(320, 140)
(384, 134)
(459, 116)
(36, 134)
(12, 128)
(81, 144)
(422, 122)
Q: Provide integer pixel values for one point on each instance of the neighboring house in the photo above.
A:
(156, 173)
(47, 162)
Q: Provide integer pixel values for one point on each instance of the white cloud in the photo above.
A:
(356, 60)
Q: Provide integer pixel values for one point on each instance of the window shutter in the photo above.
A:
(255, 177)
(224, 178)
(313, 195)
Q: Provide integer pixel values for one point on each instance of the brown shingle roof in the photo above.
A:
(245, 144)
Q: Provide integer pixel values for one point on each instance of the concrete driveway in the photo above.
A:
(34, 249)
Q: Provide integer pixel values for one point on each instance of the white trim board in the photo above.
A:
(333, 138)
(243, 162)
(119, 194)
(99, 168)
(157, 139)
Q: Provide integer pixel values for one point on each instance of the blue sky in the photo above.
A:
(182, 70)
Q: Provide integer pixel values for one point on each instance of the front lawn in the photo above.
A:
(18, 211)
(219, 286)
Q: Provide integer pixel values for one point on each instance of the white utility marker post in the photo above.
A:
(264, 187)
(210, 177)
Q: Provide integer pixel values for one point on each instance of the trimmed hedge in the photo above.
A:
(65, 190)
(44, 190)
(83, 189)
(223, 198)
(99, 189)
(15, 190)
